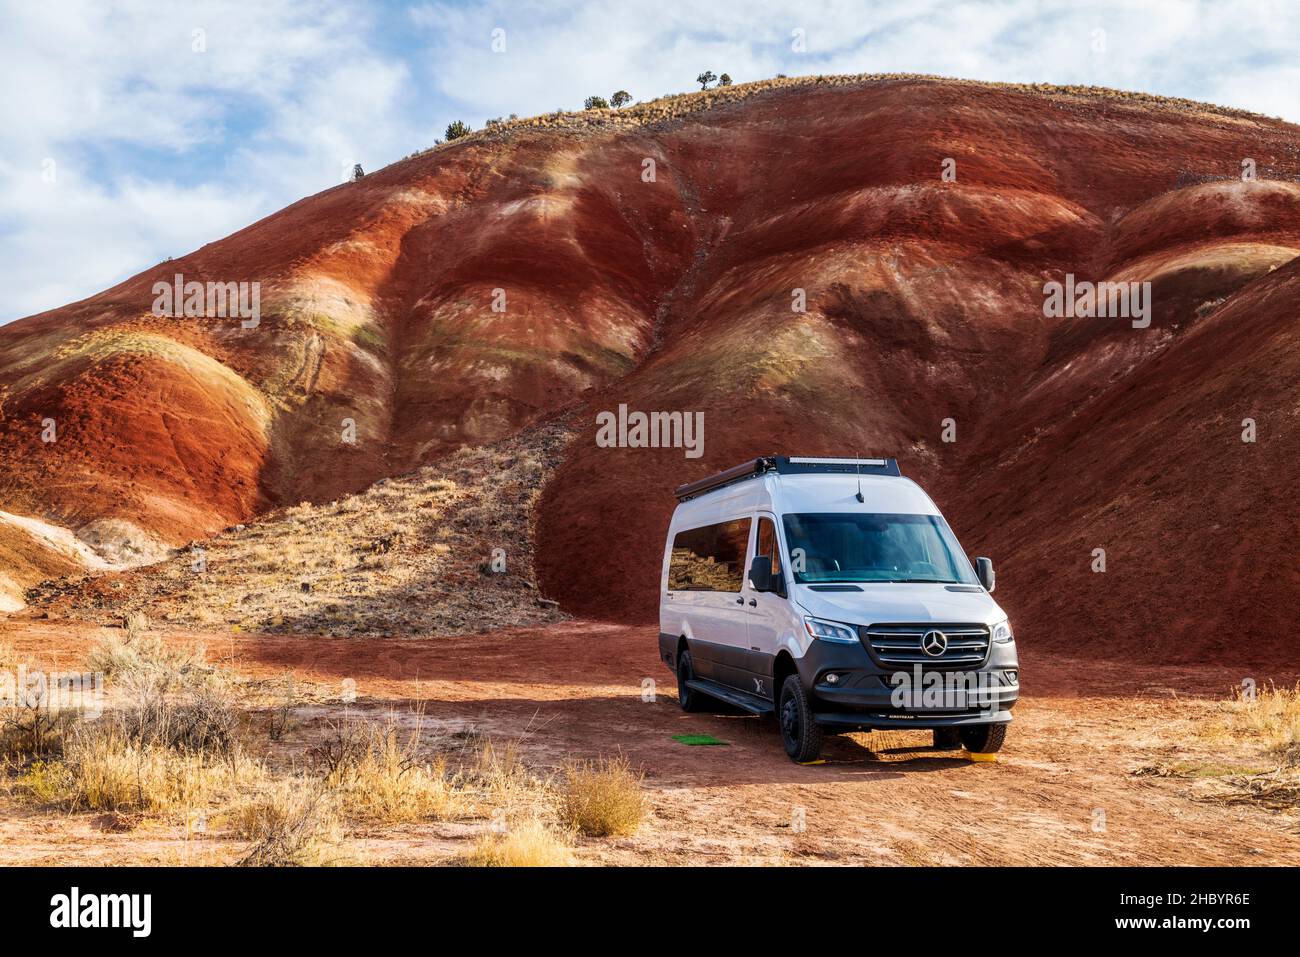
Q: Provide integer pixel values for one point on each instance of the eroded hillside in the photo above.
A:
(799, 269)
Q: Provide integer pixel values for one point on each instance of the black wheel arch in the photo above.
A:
(782, 667)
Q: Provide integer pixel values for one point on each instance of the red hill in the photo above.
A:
(924, 302)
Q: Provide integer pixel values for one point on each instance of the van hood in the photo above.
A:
(881, 602)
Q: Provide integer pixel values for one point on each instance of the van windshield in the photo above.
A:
(849, 547)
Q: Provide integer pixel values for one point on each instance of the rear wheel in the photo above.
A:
(800, 734)
(983, 738)
(945, 739)
(688, 698)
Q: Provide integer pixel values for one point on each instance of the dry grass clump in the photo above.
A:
(380, 777)
(170, 747)
(34, 733)
(45, 782)
(295, 823)
(529, 843)
(1270, 717)
(104, 771)
(1269, 720)
(496, 778)
(602, 798)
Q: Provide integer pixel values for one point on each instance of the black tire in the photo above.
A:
(983, 738)
(688, 698)
(946, 739)
(800, 734)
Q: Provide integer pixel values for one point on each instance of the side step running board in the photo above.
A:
(741, 699)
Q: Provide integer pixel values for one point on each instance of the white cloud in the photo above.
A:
(161, 149)
(71, 237)
(1236, 53)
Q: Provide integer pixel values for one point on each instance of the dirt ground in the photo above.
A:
(1128, 777)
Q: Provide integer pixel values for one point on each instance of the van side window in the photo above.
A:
(767, 544)
(711, 558)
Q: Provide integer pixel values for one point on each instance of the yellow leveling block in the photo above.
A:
(976, 756)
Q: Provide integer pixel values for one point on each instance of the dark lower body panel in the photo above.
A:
(863, 696)
(740, 668)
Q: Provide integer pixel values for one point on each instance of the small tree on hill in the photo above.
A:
(357, 172)
(724, 80)
(705, 78)
(621, 98)
(595, 103)
(456, 129)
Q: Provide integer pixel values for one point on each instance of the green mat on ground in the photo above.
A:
(697, 739)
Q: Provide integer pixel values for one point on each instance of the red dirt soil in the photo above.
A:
(1090, 735)
(924, 303)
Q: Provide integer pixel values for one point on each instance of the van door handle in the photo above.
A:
(753, 603)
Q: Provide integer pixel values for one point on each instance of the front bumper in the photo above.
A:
(867, 695)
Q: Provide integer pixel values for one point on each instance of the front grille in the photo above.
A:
(894, 645)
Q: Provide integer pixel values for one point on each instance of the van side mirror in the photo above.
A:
(984, 572)
(760, 573)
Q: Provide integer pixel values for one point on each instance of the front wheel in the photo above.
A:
(983, 738)
(801, 735)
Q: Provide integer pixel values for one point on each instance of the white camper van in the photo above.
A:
(832, 594)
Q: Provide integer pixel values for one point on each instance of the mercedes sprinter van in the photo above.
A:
(832, 594)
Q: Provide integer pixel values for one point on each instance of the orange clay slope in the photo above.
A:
(923, 303)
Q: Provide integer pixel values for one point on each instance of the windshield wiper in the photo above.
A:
(919, 581)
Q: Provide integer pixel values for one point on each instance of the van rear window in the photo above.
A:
(711, 558)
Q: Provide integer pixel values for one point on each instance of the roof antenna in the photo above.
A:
(857, 467)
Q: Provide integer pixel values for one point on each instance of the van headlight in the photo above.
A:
(830, 631)
(1002, 632)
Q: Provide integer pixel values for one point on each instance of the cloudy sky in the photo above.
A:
(132, 131)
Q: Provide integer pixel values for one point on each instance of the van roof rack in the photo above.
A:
(786, 465)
